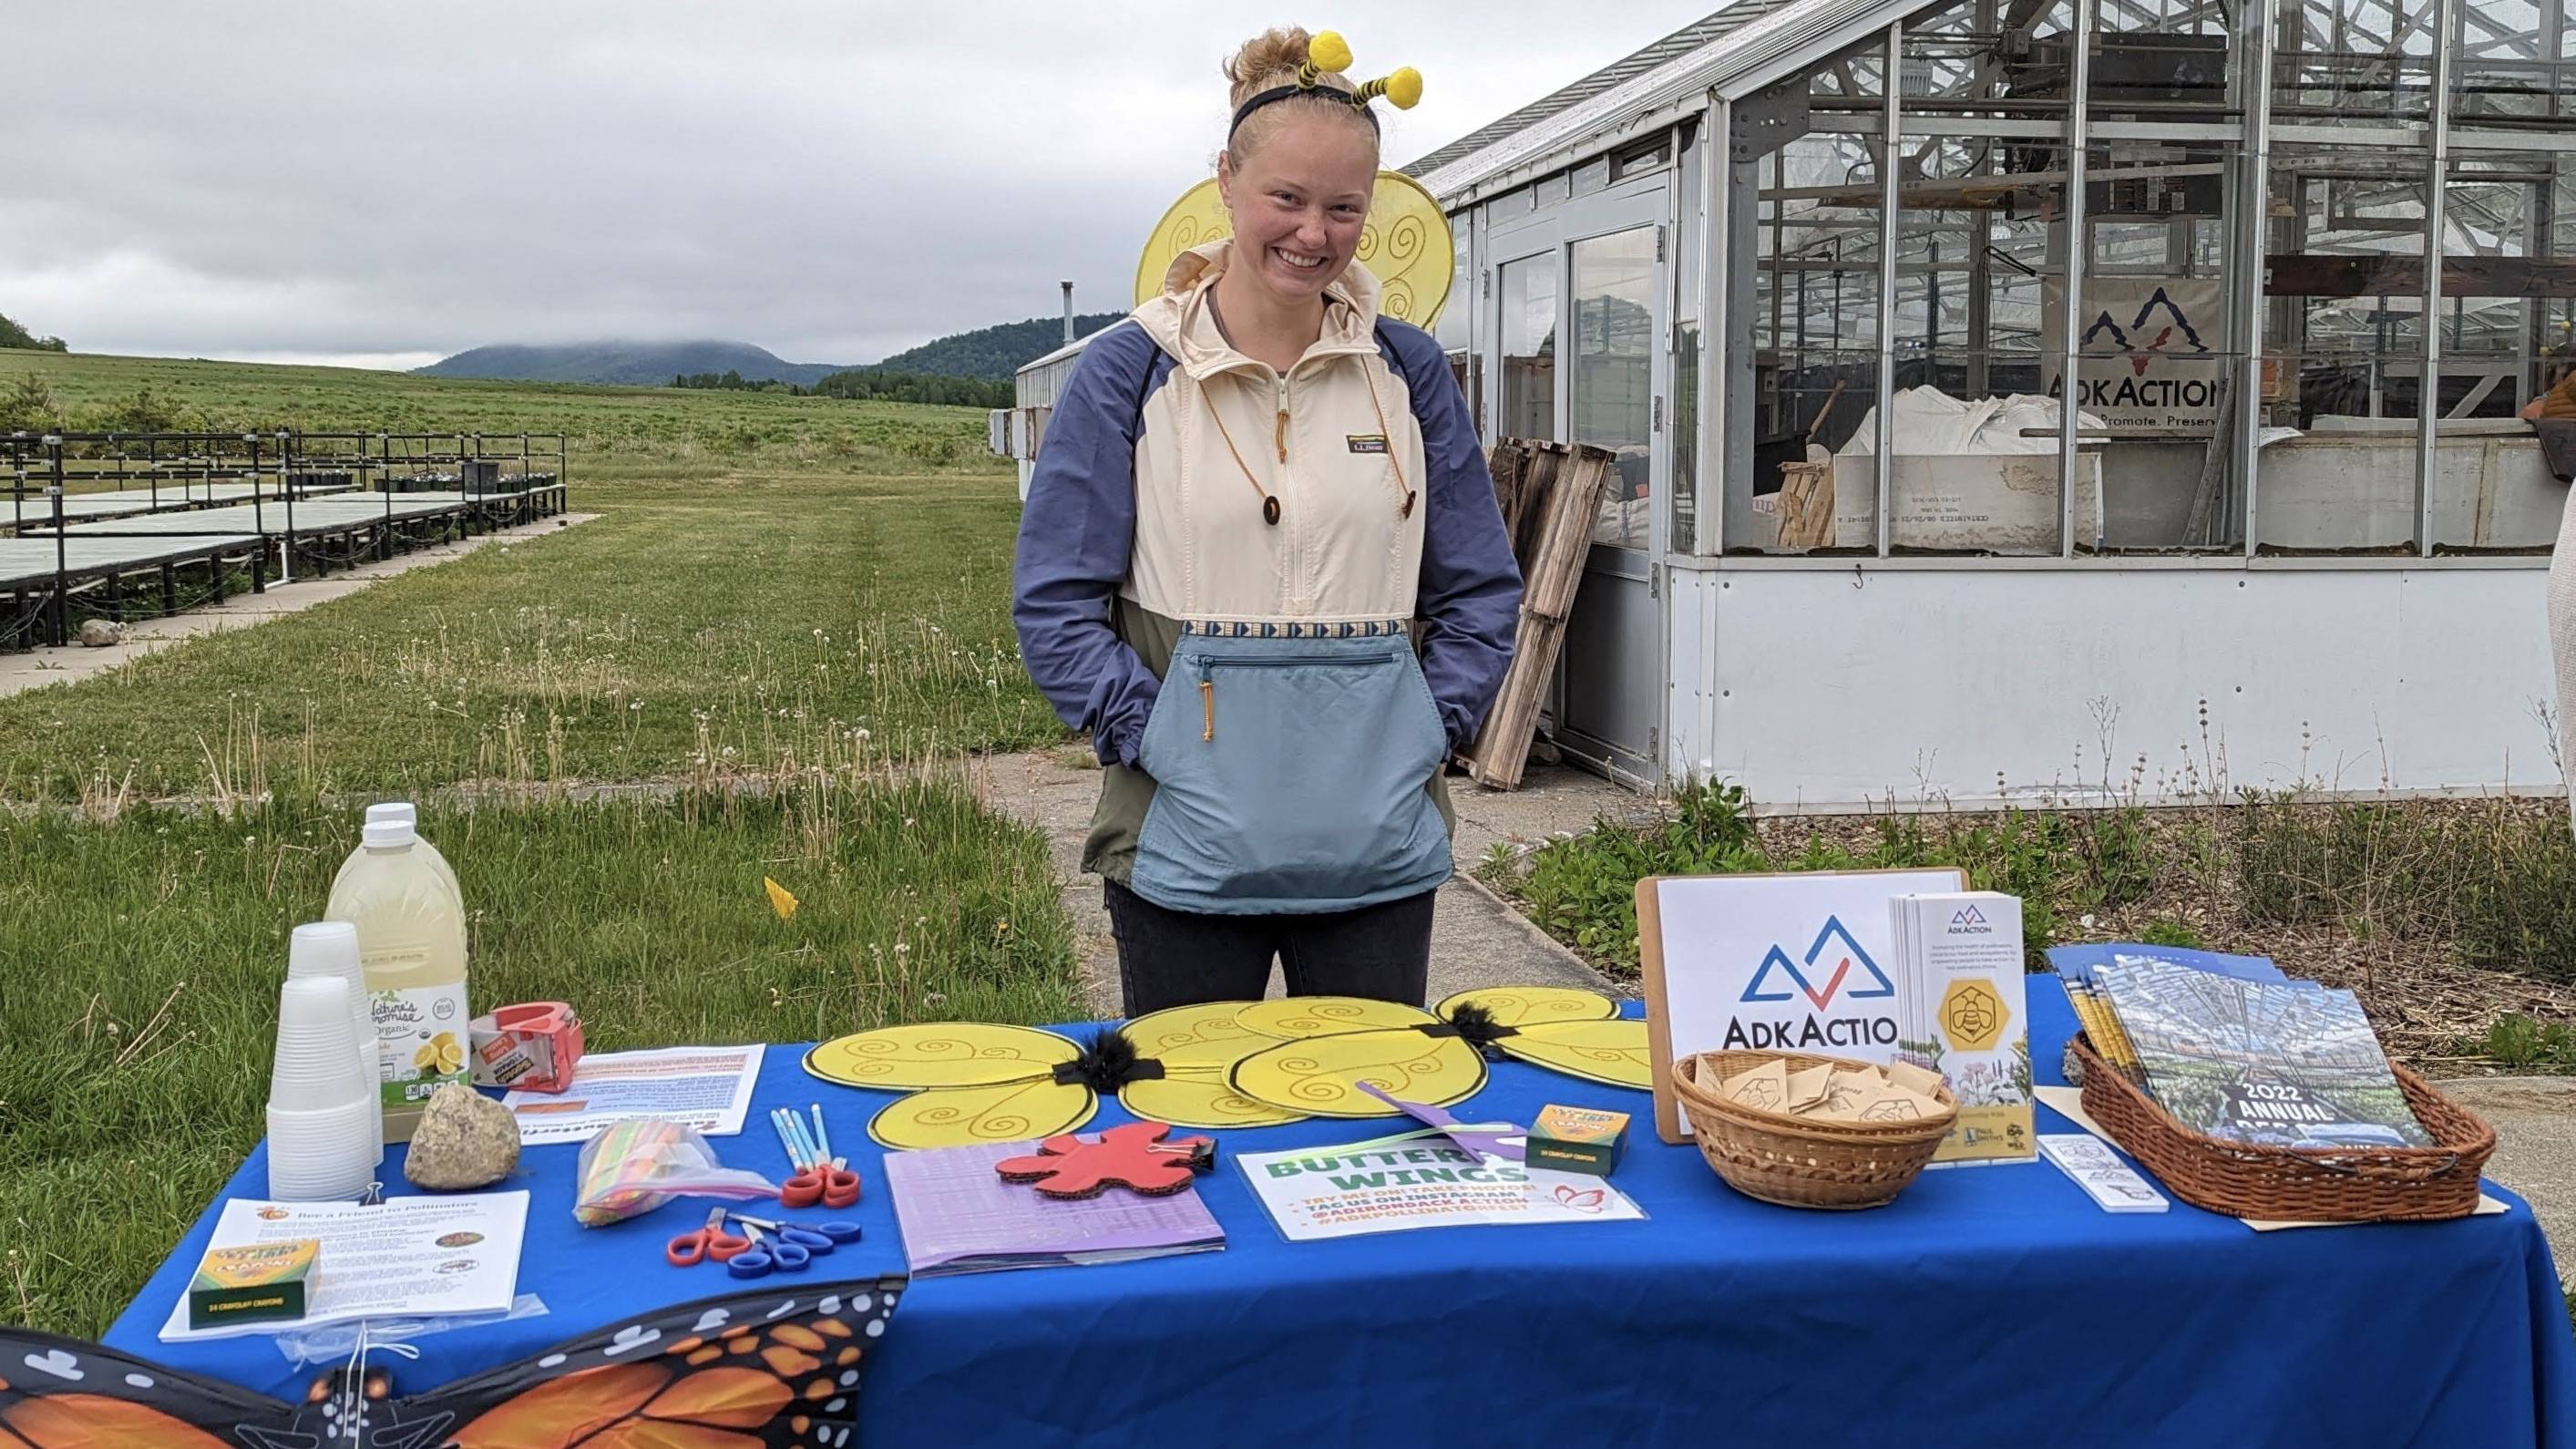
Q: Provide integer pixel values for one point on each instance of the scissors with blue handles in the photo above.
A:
(816, 1238)
(769, 1255)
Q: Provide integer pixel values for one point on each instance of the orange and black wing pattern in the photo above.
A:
(773, 1369)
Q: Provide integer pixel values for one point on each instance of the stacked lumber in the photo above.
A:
(1549, 493)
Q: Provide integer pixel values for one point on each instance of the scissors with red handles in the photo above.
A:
(827, 1183)
(690, 1249)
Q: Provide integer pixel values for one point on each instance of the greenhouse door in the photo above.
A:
(1586, 281)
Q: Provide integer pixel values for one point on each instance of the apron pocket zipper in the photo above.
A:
(1210, 664)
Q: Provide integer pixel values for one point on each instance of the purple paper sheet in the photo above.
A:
(958, 1215)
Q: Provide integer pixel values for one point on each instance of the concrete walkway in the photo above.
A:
(1476, 940)
(2535, 1123)
(37, 668)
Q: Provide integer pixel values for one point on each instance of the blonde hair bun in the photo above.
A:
(1266, 60)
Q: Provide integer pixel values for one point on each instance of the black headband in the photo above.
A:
(1276, 94)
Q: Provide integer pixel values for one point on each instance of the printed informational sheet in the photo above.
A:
(1418, 1180)
(411, 1257)
(708, 1088)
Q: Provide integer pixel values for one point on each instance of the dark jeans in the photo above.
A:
(1180, 958)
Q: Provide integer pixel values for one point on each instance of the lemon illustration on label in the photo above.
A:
(441, 1056)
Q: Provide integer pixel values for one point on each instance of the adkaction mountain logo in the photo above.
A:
(1832, 945)
(1835, 972)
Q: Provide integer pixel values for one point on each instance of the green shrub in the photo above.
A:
(2520, 914)
(2517, 1041)
(2170, 933)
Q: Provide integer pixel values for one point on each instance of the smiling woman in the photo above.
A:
(1261, 563)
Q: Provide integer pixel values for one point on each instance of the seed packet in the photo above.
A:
(1765, 1087)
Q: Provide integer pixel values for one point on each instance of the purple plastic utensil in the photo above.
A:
(1507, 1143)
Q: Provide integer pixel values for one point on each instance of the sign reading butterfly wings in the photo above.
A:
(772, 1368)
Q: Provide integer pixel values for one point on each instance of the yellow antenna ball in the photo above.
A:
(1405, 88)
(1328, 51)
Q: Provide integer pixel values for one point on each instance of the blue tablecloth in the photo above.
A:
(1985, 1307)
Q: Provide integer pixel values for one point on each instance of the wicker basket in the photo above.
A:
(2297, 1184)
(1800, 1161)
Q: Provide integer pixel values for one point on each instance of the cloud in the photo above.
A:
(833, 181)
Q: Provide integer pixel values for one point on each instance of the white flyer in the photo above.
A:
(409, 1257)
(1418, 1180)
(2114, 1186)
(708, 1088)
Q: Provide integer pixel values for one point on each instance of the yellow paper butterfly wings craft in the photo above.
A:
(1226, 1064)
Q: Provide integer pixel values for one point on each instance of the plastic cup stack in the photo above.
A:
(321, 1108)
(330, 948)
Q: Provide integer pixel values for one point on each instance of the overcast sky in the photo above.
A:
(385, 184)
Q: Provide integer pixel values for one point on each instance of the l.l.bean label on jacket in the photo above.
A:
(1367, 442)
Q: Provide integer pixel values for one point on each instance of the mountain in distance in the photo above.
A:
(994, 353)
(636, 364)
(989, 354)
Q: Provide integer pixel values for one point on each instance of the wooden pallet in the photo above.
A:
(1550, 493)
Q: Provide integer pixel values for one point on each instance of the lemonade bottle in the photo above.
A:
(411, 945)
(408, 814)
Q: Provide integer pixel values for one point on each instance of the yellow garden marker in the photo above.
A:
(781, 900)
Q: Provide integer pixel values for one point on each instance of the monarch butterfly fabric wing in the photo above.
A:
(765, 1370)
(1003, 1112)
(776, 1369)
(939, 1054)
(61, 1393)
(1527, 1006)
(1613, 1053)
(1319, 1076)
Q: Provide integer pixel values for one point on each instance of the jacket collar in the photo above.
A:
(1179, 321)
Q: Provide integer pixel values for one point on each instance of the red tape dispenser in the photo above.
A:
(531, 1047)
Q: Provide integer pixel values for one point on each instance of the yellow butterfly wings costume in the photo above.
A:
(1224, 1064)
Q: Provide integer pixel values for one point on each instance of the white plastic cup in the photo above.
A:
(321, 1155)
(316, 1062)
(330, 948)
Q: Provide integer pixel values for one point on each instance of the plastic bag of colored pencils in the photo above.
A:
(635, 1166)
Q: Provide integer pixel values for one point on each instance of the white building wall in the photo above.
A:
(1841, 688)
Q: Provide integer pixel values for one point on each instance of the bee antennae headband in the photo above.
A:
(1329, 52)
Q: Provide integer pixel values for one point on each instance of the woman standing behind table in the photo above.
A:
(1256, 499)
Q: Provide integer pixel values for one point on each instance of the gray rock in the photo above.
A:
(99, 633)
(464, 1140)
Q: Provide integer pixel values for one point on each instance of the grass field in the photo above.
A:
(791, 615)
(742, 604)
(612, 428)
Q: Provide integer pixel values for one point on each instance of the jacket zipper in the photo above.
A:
(1209, 664)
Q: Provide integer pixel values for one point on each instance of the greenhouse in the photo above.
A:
(1820, 273)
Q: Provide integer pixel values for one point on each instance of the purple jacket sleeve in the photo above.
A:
(1470, 593)
(1075, 537)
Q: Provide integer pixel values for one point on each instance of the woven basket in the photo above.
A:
(1800, 1161)
(2298, 1184)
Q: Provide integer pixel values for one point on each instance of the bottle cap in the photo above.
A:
(388, 834)
(402, 810)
